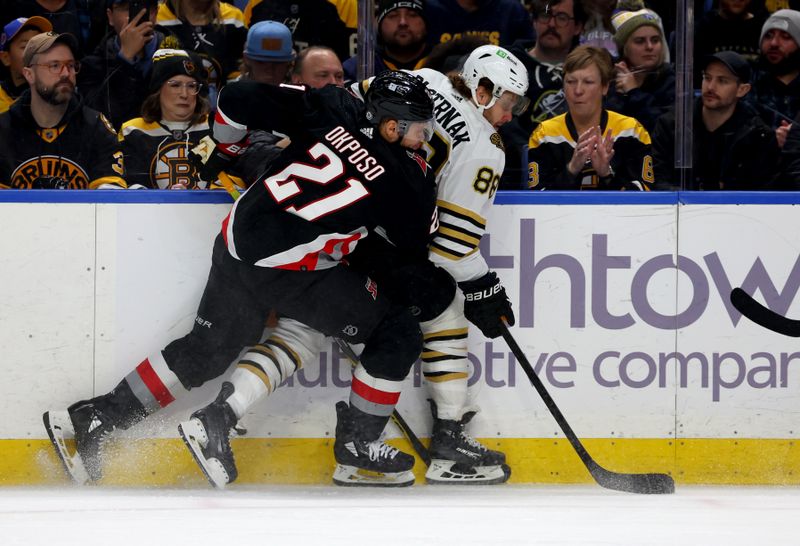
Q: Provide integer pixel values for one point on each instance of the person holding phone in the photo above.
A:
(114, 79)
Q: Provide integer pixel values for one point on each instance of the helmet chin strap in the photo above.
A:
(481, 108)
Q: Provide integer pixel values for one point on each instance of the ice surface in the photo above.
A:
(424, 515)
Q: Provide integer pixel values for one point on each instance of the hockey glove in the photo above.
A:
(486, 304)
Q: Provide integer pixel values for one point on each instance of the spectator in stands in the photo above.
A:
(557, 24)
(317, 67)
(731, 27)
(174, 120)
(733, 148)
(598, 30)
(268, 53)
(348, 13)
(114, 79)
(589, 148)
(644, 87)
(776, 85)
(500, 22)
(62, 14)
(12, 46)
(214, 30)
(312, 22)
(49, 140)
(401, 36)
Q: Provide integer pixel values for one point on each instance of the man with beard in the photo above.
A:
(402, 38)
(776, 87)
(557, 24)
(734, 150)
(49, 140)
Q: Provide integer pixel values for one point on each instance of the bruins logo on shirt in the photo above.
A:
(49, 171)
(497, 140)
(171, 168)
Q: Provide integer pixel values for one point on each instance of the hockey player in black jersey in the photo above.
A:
(350, 168)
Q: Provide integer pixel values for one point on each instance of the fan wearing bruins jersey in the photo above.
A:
(589, 148)
(349, 169)
(158, 146)
(467, 154)
(217, 34)
(48, 139)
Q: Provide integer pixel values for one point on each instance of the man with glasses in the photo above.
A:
(49, 140)
(557, 24)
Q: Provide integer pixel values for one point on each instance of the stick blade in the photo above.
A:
(643, 484)
(763, 316)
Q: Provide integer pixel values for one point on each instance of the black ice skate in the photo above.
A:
(457, 457)
(88, 426)
(207, 435)
(364, 462)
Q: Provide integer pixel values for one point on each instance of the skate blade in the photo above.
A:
(443, 472)
(352, 476)
(195, 438)
(60, 430)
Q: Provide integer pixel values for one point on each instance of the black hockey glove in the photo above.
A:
(486, 304)
(217, 162)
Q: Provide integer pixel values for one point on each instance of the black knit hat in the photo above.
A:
(168, 63)
(386, 6)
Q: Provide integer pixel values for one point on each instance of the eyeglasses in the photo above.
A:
(562, 19)
(55, 67)
(193, 88)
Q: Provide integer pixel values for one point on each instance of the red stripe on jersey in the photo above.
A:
(309, 261)
(225, 228)
(371, 394)
(154, 383)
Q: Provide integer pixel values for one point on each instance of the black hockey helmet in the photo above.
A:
(398, 95)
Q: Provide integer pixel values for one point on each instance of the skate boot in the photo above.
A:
(362, 461)
(88, 425)
(457, 457)
(207, 435)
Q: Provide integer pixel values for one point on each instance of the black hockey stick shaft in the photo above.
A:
(764, 316)
(398, 419)
(632, 483)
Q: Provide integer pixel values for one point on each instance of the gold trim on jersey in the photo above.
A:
(50, 134)
(443, 335)
(461, 212)
(457, 235)
(114, 180)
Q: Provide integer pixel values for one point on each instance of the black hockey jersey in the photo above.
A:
(81, 152)
(337, 180)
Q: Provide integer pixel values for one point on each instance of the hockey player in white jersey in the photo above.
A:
(468, 157)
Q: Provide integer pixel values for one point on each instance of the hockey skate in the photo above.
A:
(362, 462)
(85, 426)
(457, 457)
(207, 435)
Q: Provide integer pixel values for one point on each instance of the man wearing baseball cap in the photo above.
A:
(268, 53)
(49, 139)
(13, 40)
(776, 85)
(733, 148)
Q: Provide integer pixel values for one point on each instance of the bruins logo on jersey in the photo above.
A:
(171, 168)
(497, 140)
(49, 171)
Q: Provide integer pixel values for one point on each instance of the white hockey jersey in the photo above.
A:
(468, 157)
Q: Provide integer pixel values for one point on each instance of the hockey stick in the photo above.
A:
(631, 483)
(763, 316)
(401, 423)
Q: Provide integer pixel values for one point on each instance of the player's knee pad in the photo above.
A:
(196, 361)
(394, 345)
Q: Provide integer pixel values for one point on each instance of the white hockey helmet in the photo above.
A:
(500, 67)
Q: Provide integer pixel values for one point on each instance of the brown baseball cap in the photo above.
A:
(42, 43)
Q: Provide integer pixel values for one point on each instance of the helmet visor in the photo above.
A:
(509, 102)
(416, 130)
